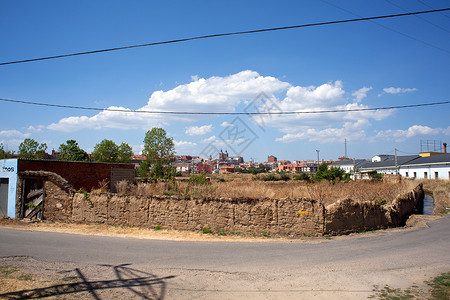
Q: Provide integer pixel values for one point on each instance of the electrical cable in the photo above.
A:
(230, 34)
(390, 29)
(225, 113)
(406, 152)
(419, 17)
(429, 6)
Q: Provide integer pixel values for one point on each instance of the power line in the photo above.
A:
(419, 17)
(406, 152)
(429, 6)
(225, 113)
(390, 29)
(226, 34)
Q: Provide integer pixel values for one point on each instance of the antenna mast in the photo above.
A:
(345, 141)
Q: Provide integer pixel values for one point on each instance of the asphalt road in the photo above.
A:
(346, 268)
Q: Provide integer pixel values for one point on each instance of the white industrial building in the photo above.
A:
(436, 166)
(431, 167)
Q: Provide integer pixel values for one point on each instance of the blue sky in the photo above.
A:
(355, 65)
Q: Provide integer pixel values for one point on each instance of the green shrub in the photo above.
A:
(375, 175)
(331, 175)
(284, 177)
(199, 179)
(270, 177)
(302, 176)
(221, 231)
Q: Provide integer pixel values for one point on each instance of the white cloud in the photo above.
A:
(311, 97)
(393, 90)
(416, 130)
(109, 119)
(214, 94)
(228, 93)
(209, 140)
(39, 128)
(13, 133)
(352, 131)
(217, 94)
(11, 144)
(184, 143)
(361, 93)
(326, 97)
(196, 130)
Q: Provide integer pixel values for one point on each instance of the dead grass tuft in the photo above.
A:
(102, 187)
(123, 187)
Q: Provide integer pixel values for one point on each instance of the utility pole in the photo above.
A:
(354, 169)
(396, 164)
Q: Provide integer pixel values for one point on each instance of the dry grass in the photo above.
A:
(242, 187)
(102, 187)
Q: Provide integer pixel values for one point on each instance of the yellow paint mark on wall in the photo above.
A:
(301, 212)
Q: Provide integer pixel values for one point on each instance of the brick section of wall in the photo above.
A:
(79, 174)
(284, 217)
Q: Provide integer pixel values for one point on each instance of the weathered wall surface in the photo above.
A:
(265, 216)
(348, 216)
(58, 203)
(285, 217)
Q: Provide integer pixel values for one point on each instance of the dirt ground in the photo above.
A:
(25, 274)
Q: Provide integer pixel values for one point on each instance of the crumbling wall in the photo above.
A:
(348, 216)
(287, 217)
(57, 203)
(283, 217)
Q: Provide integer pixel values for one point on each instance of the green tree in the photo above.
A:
(4, 153)
(329, 174)
(30, 148)
(159, 150)
(70, 151)
(125, 153)
(143, 169)
(105, 151)
(108, 151)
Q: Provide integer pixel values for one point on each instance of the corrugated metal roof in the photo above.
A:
(408, 160)
(435, 159)
(356, 162)
(390, 162)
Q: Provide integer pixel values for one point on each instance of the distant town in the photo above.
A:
(425, 165)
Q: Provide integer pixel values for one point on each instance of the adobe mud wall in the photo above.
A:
(265, 216)
(282, 217)
(346, 216)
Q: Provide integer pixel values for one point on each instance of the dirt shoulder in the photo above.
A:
(178, 235)
(139, 232)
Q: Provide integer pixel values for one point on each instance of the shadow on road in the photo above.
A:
(140, 283)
